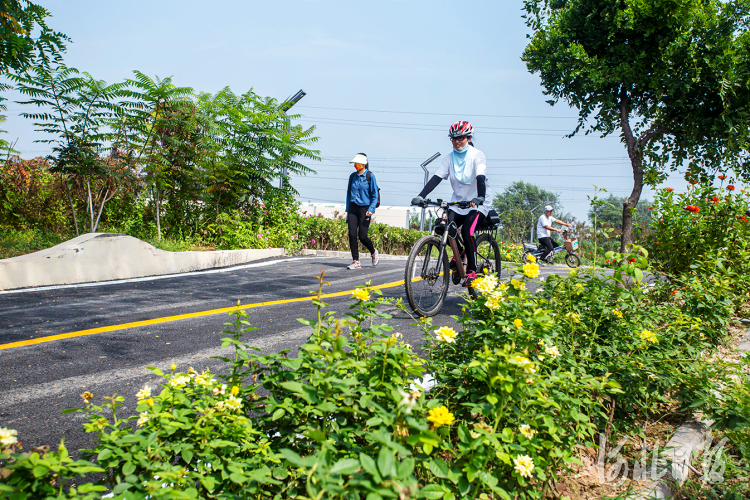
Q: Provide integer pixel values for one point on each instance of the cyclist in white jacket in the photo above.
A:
(466, 167)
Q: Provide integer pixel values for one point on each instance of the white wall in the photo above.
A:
(392, 216)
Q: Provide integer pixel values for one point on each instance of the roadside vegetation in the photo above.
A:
(525, 390)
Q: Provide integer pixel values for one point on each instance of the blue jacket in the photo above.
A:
(363, 193)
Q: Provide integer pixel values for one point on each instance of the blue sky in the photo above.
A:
(385, 77)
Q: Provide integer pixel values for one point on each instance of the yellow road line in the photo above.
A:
(178, 317)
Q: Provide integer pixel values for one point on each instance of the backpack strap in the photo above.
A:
(349, 189)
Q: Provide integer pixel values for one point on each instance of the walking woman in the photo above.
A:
(361, 201)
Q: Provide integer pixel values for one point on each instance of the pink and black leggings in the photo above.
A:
(468, 224)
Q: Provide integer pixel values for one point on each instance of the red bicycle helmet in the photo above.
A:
(461, 129)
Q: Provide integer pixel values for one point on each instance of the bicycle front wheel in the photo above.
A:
(425, 287)
(572, 260)
(488, 255)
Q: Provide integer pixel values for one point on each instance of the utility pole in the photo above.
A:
(531, 233)
(426, 179)
(287, 106)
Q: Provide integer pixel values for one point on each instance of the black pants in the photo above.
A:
(469, 224)
(549, 245)
(359, 223)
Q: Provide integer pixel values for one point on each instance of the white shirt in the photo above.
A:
(541, 226)
(467, 192)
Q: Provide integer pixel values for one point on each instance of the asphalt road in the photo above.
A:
(53, 347)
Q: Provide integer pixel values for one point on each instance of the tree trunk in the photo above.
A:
(72, 205)
(101, 207)
(635, 153)
(91, 207)
(158, 215)
(636, 161)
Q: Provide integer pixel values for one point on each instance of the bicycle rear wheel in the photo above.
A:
(425, 288)
(488, 255)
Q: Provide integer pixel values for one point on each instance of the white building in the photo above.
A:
(392, 216)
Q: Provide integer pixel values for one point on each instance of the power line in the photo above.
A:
(438, 127)
(422, 129)
(441, 114)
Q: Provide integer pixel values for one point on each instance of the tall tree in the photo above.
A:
(251, 140)
(670, 76)
(521, 204)
(161, 132)
(76, 110)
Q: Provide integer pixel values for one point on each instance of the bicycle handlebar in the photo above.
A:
(444, 204)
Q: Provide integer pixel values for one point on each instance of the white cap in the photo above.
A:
(548, 208)
(360, 158)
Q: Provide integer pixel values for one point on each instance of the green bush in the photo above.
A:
(333, 234)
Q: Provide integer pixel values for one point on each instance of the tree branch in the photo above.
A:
(625, 122)
(650, 135)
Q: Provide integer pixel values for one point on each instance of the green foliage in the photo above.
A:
(44, 474)
(610, 213)
(20, 20)
(332, 234)
(32, 196)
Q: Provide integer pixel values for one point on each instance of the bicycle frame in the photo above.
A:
(536, 252)
(450, 227)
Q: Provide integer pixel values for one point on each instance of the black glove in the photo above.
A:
(478, 200)
(417, 201)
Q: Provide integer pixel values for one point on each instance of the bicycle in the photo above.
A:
(571, 259)
(428, 274)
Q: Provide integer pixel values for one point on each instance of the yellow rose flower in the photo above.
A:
(440, 416)
(531, 270)
(617, 313)
(507, 256)
(361, 294)
(144, 393)
(493, 301)
(502, 287)
(527, 431)
(446, 334)
(235, 390)
(574, 317)
(524, 465)
(142, 419)
(530, 258)
(8, 437)
(528, 366)
(518, 323)
(518, 285)
(552, 351)
(649, 336)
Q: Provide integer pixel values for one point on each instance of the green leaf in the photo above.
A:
(438, 467)
(368, 464)
(208, 482)
(345, 466)
(293, 458)
(104, 454)
(187, 455)
(238, 478)
(405, 468)
(638, 274)
(386, 462)
(277, 414)
(432, 492)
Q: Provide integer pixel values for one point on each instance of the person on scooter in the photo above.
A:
(543, 230)
(466, 167)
